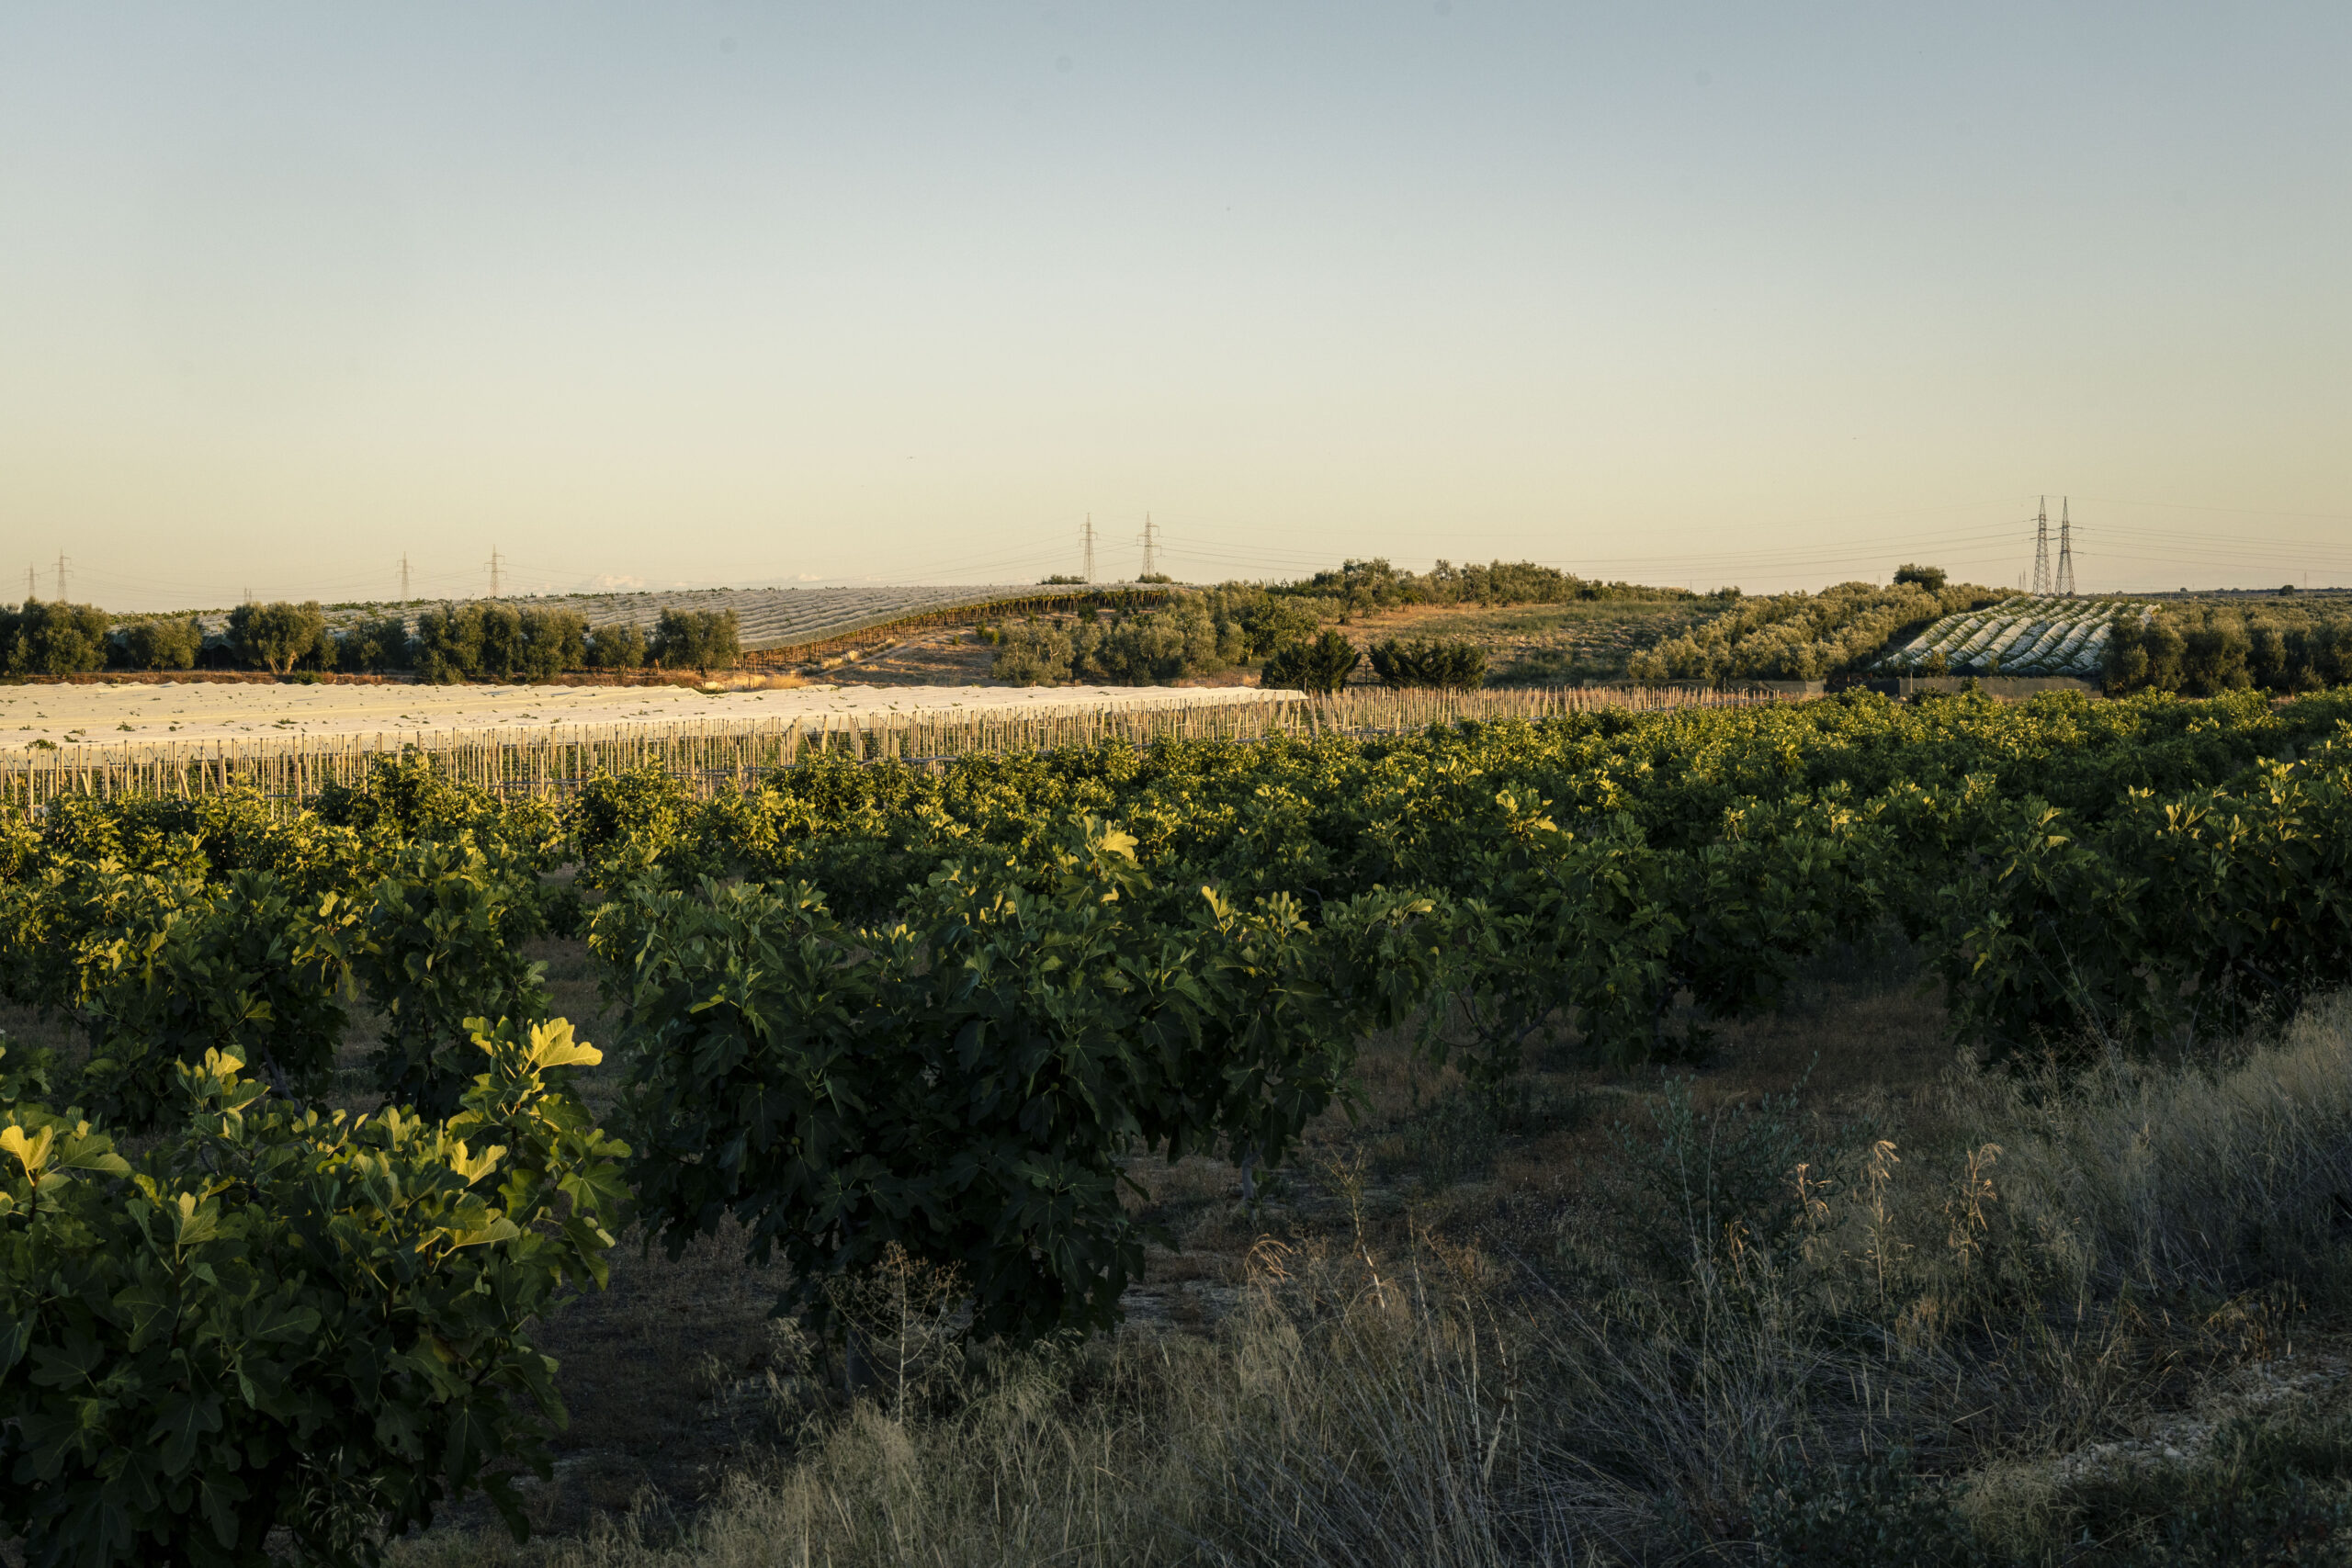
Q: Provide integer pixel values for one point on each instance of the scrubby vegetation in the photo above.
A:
(1450, 665)
(1805, 637)
(1209, 631)
(2283, 645)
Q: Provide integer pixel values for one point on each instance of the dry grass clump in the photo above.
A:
(2021, 1322)
(2192, 1178)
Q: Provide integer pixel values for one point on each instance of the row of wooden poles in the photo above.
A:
(716, 754)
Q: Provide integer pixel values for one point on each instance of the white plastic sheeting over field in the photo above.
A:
(2028, 635)
(171, 712)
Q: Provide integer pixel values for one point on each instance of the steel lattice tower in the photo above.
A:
(1089, 547)
(2042, 548)
(2065, 584)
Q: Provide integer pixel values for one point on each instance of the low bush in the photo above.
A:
(1318, 668)
(279, 1323)
(52, 638)
(1453, 666)
(163, 642)
(701, 640)
(276, 637)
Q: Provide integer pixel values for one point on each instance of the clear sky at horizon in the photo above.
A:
(706, 294)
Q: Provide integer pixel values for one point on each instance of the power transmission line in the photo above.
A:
(493, 571)
(1150, 544)
(61, 577)
(29, 586)
(1089, 547)
(2065, 584)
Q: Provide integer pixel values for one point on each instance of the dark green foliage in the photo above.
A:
(277, 1320)
(1269, 621)
(553, 641)
(1932, 578)
(530, 642)
(32, 1076)
(449, 643)
(42, 638)
(625, 822)
(966, 1084)
(700, 641)
(620, 645)
(1872, 1515)
(502, 641)
(1033, 653)
(1361, 585)
(242, 968)
(2184, 919)
(1320, 667)
(439, 951)
(165, 642)
(276, 637)
(2209, 649)
(1149, 647)
(377, 643)
(1452, 666)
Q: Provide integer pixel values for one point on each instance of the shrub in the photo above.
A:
(1034, 653)
(620, 645)
(700, 641)
(1455, 666)
(968, 1085)
(1320, 667)
(166, 642)
(378, 643)
(1151, 648)
(279, 1320)
(247, 970)
(553, 641)
(277, 636)
(449, 643)
(439, 951)
(1932, 578)
(52, 639)
(501, 641)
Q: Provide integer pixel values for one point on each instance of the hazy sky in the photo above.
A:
(1767, 293)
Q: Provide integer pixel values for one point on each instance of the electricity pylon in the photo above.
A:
(2065, 584)
(2042, 548)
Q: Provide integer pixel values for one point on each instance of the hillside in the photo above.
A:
(769, 617)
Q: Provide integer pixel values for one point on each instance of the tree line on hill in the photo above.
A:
(1216, 631)
(2282, 645)
(449, 642)
(1282, 623)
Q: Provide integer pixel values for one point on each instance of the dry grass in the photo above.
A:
(1598, 1320)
